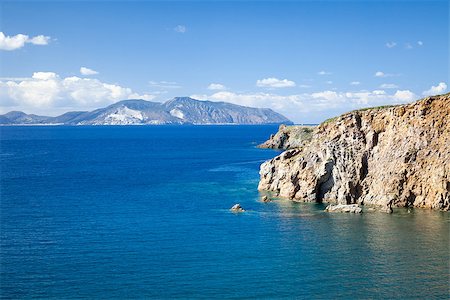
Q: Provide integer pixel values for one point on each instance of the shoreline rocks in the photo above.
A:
(388, 157)
(346, 208)
(265, 199)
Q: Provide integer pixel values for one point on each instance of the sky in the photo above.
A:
(309, 60)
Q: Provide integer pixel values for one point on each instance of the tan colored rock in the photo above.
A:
(289, 137)
(347, 208)
(395, 156)
(265, 199)
(237, 208)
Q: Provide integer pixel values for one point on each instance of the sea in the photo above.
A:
(142, 212)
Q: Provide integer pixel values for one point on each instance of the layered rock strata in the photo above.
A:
(289, 137)
(388, 157)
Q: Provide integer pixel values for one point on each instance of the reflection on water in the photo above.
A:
(405, 253)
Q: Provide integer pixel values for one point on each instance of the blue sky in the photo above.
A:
(307, 60)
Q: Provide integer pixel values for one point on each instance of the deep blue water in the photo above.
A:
(142, 212)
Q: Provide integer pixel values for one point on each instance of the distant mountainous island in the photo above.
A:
(178, 111)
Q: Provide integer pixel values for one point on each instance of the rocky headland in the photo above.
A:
(397, 156)
(289, 137)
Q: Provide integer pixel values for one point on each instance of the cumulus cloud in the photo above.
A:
(404, 96)
(388, 86)
(39, 40)
(355, 83)
(391, 44)
(180, 29)
(312, 107)
(47, 92)
(436, 89)
(273, 82)
(324, 73)
(86, 71)
(18, 41)
(216, 86)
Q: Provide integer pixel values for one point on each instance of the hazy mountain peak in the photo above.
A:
(179, 110)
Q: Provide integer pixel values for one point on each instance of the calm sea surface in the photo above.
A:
(142, 212)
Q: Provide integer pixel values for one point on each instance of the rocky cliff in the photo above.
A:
(289, 137)
(389, 156)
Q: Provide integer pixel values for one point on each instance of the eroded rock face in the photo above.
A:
(289, 137)
(395, 156)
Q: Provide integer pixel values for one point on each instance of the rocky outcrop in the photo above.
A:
(289, 137)
(237, 208)
(388, 157)
(346, 208)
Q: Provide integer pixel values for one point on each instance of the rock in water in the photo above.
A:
(348, 208)
(397, 154)
(265, 199)
(237, 208)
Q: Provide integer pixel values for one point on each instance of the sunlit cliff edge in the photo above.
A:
(387, 156)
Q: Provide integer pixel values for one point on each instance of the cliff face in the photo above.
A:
(289, 137)
(397, 156)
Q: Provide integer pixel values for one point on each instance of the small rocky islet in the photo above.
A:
(384, 157)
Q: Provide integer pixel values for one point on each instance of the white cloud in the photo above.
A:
(436, 89)
(388, 86)
(379, 92)
(39, 40)
(420, 43)
(180, 29)
(164, 84)
(391, 44)
(382, 74)
(216, 86)
(86, 71)
(273, 82)
(47, 92)
(324, 73)
(312, 107)
(18, 41)
(355, 83)
(44, 75)
(404, 96)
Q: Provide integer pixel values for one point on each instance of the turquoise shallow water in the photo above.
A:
(142, 212)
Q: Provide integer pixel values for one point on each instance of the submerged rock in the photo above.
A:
(348, 208)
(396, 154)
(237, 208)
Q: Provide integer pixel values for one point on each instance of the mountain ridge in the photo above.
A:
(177, 111)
